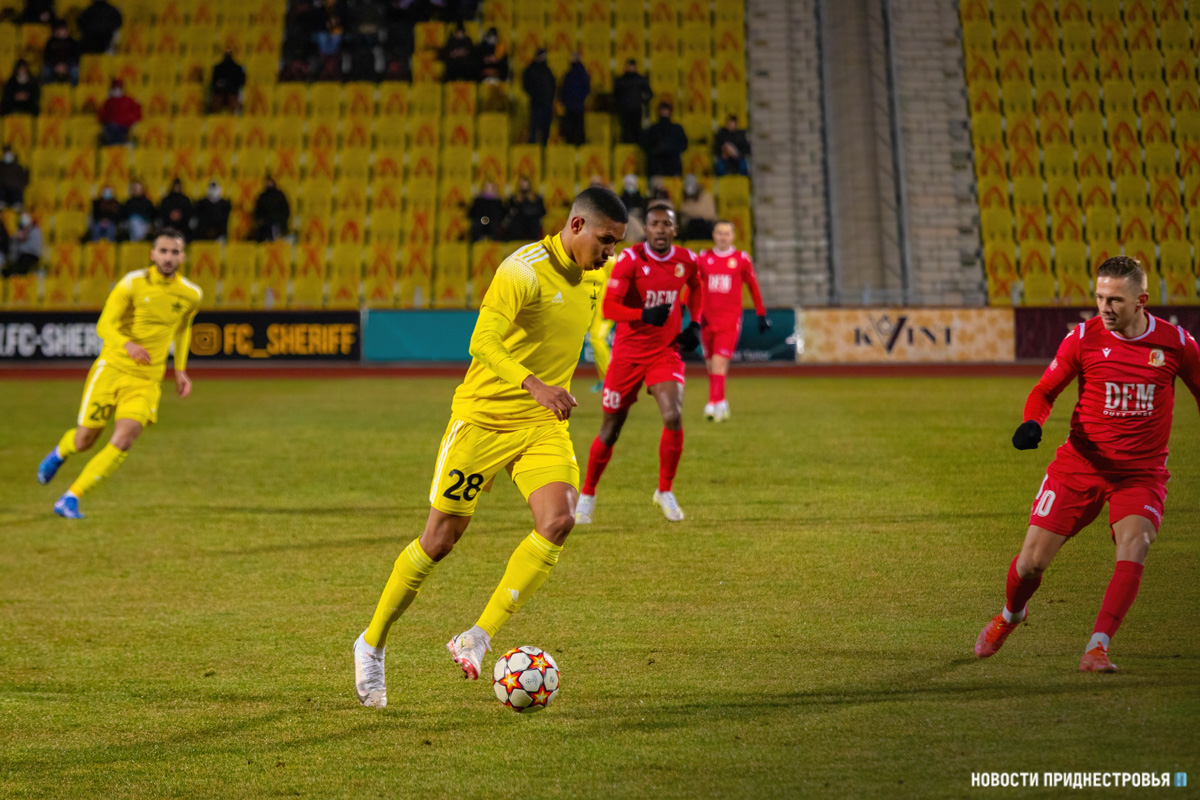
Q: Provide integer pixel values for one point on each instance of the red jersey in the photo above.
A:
(723, 272)
(1122, 421)
(641, 279)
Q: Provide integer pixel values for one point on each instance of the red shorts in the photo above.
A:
(1073, 493)
(720, 339)
(624, 378)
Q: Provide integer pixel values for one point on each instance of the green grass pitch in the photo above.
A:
(806, 631)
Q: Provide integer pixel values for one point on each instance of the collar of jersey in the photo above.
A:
(554, 245)
(1149, 330)
(660, 259)
(724, 253)
(156, 278)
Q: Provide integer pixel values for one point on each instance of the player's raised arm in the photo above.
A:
(1062, 371)
(751, 280)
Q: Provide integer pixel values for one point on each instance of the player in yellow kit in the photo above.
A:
(147, 311)
(510, 412)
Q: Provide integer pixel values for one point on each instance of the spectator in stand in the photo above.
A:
(106, 216)
(664, 143)
(731, 149)
(538, 82)
(458, 56)
(365, 20)
(492, 57)
(22, 95)
(525, 213)
(175, 209)
(272, 212)
(576, 87)
(228, 78)
(698, 211)
(212, 215)
(98, 24)
(137, 213)
(26, 253)
(38, 11)
(118, 115)
(487, 213)
(61, 56)
(329, 50)
(5, 248)
(631, 93)
(631, 196)
(13, 180)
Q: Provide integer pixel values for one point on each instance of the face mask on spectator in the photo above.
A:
(9, 158)
(26, 220)
(106, 194)
(214, 192)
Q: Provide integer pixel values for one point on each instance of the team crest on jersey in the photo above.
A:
(1157, 359)
(679, 270)
(732, 263)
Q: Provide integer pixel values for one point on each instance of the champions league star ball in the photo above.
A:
(525, 679)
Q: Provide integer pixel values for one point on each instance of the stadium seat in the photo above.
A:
(204, 269)
(485, 258)
(451, 270)
(1071, 270)
(1179, 273)
(379, 287)
(416, 276)
(308, 285)
(345, 275)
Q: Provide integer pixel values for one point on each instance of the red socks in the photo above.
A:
(1122, 589)
(670, 448)
(716, 388)
(598, 458)
(1019, 589)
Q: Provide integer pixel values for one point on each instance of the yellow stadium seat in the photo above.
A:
(379, 286)
(40, 195)
(65, 260)
(114, 166)
(355, 132)
(21, 291)
(79, 164)
(58, 293)
(416, 277)
(291, 99)
(450, 284)
(996, 224)
(423, 131)
(56, 101)
(420, 224)
(456, 163)
(203, 268)
(189, 100)
(393, 99)
(345, 275)
(1179, 272)
(349, 227)
(492, 130)
(1071, 269)
(492, 165)
(75, 196)
(560, 162)
(525, 161)
(284, 163)
(326, 100)
(384, 223)
(425, 99)
(258, 100)
(131, 256)
(458, 132)
(254, 133)
(423, 164)
(274, 271)
(308, 286)
(1036, 273)
(321, 133)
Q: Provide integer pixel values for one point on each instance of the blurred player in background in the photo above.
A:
(510, 412)
(147, 311)
(723, 270)
(644, 299)
(1127, 362)
(601, 327)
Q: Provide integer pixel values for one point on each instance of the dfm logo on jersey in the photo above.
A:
(664, 298)
(721, 284)
(1128, 399)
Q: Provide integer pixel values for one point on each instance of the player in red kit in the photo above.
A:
(644, 297)
(723, 271)
(1127, 362)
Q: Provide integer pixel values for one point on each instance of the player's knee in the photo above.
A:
(673, 419)
(558, 526)
(1031, 566)
(608, 435)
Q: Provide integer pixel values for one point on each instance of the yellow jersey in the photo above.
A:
(152, 311)
(549, 307)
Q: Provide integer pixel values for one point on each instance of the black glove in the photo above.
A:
(764, 324)
(656, 315)
(689, 339)
(1028, 434)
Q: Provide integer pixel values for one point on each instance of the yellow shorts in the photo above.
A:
(109, 392)
(471, 456)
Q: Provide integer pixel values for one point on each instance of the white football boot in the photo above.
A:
(584, 509)
(669, 505)
(710, 412)
(368, 675)
(722, 411)
(468, 650)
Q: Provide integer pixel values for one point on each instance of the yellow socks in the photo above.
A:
(412, 568)
(66, 445)
(102, 465)
(527, 571)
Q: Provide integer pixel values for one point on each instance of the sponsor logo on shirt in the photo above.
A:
(557, 298)
(1106, 351)
(1128, 399)
(664, 297)
(722, 284)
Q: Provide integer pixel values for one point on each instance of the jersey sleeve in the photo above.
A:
(751, 280)
(618, 288)
(695, 294)
(513, 287)
(183, 339)
(487, 345)
(1189, 368)
(1058, 375)
(108, 326)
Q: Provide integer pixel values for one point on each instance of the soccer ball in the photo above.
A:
(525, 679)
